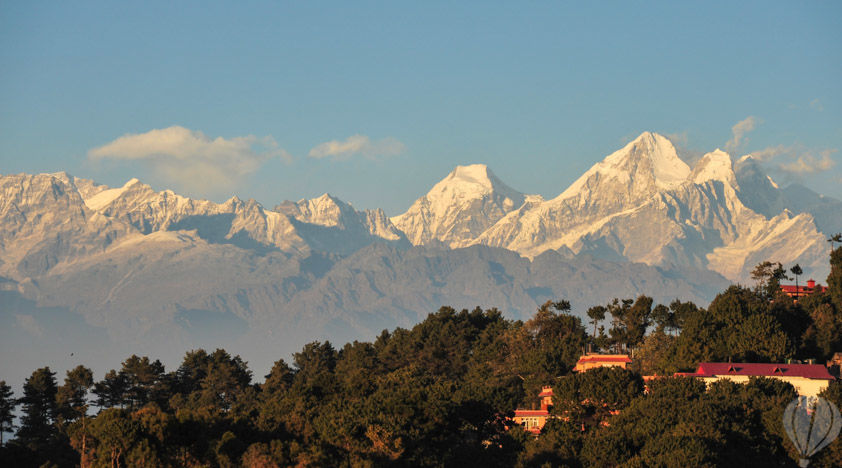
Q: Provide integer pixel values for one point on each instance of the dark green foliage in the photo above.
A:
(72, 397)
(39, 410)
(559, 445)
(768, 276)
(544, 348)
(629, 321)
(143, 379)
(7, 409)
(834, 279)
(738, 325)
(596, 314)
(679, 423)
(111, 391)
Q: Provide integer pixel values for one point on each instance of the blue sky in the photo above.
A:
(539, 91)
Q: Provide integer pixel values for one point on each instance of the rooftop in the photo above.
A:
(810, 371)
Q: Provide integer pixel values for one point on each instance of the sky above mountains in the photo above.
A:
(376, 102)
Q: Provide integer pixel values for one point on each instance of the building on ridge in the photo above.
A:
(590, 361)
(808, 379)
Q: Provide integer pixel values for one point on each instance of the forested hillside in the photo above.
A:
(441, 393)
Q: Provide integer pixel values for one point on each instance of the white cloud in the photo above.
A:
(767, 154)
(796, 160)
(809, 163)
(739, 131)
(191, 159)
(815, 104)
(678, 139)
(358, 144)
(29, 324)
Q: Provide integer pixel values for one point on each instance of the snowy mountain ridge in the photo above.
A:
(642, 203)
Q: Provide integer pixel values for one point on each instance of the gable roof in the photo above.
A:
(605, 358)
(810, 371)
(524, 412)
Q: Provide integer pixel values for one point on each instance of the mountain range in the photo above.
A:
(93, 267)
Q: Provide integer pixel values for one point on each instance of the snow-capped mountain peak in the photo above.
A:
(471, 181)
(325, 210)
(459, 207)
(667, 168)
(716, 166)
(649, 162)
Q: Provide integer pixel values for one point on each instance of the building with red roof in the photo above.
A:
(792, 290)
(533, 420)
(593, 360)
(808, 379)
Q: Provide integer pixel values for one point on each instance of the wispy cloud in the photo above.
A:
(815, 104)
(358, 145)
(809, 163)
(767, 154)
(190, 159)
(739, 132)
(796, 160)
(678, 139)
(681, 141)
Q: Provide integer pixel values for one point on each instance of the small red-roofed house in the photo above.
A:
(592, 361)
(533, 420)
(808, 379)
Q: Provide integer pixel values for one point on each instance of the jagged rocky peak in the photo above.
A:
(749, 169)
(331, 212)
(716, 166)
(325, 210)
(757, 190)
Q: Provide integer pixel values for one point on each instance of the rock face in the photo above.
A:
(44, 222)
(162, 271)
(330, 225)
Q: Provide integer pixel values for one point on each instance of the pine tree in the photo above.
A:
(834, 279)
(596, 314)
(39, 409)
(7, 409)
(72, 397)
(111, 391)
(797, 271)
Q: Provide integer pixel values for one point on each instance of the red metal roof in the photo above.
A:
(810, 371)
(604, 358)
(523, 412)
